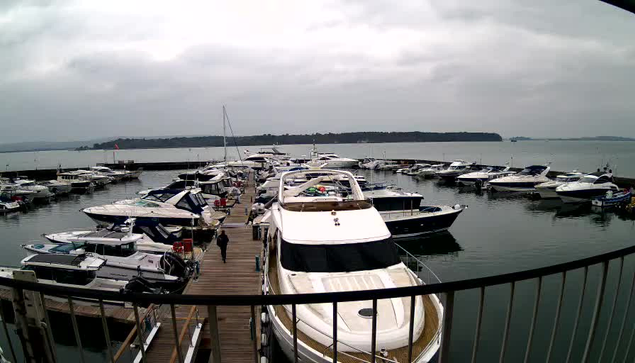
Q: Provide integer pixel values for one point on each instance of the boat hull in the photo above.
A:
(105, 220)
(580, 196)
(419, 224)
(526, 187)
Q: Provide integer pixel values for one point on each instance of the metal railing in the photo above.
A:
(624, 339)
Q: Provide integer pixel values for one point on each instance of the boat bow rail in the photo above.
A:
(445, 289)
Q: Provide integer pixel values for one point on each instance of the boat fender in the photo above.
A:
(263, 340)
(264, 360)
(264, 318)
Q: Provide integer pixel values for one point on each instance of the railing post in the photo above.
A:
(22, 325)
(255, 333)
(177, 342)
(608, 325)
(508, 320)
(139, 333)
(596, 313)
(78, 337)
(294, 315)
(579, 312)
(479, 320)
(373, 340)
(335, 332)
(556, 318)
(215, 357)
(626, 310)
(411, 328)
(533, 319)
(447, 327)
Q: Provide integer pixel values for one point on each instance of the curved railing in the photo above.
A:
(446, 289)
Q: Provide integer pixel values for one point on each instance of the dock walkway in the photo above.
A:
(237, 276)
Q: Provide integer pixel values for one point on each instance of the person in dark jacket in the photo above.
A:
(221, 241)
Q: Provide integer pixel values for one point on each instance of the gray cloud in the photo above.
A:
(538, 68)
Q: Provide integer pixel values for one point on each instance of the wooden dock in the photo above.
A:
(237, 276)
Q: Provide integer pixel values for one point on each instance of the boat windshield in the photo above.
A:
(533, 170)
(339, 258)
(67, 247)
(588, 179)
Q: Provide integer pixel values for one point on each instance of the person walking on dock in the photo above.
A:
(221, 241)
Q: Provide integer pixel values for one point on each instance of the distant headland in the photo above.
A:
(287, 139)
(590, 138)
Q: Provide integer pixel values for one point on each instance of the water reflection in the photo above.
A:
(442, 243)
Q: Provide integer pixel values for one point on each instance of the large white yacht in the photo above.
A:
(525, 181)
(328, 241)
(456, 168)
(483, 176)
(168, 207)
(40, 192)
(547, 190)
(331, 160)
(587, 188)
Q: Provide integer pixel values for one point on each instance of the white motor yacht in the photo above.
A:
(79, 180)
(40, 192)
(168, 207)
(77, 271)
(123, 260)
(524, 181)
(12, 191)
(547, 190)
(116, 176)
(57, 187)
(414, 170)
(8, 207)
(483, 176)
(334, 161)
(430, 171)
(587, 188)
(325, 240)
(456, 168)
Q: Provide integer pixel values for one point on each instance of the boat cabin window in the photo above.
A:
(603, 179)
(339, 258)
(62, 276)
(124, 250)
(156, 233)
(588, 179)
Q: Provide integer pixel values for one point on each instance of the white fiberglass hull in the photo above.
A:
(308, 354)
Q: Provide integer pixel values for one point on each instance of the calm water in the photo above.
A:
(496, 234)
(564, 155)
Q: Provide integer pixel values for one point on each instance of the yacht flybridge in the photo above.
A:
(329, 240)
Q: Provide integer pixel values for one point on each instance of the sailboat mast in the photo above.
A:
(224, 136)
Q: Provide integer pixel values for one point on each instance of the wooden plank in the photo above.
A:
(237, 276)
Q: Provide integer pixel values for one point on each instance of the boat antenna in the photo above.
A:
(226, 116)
(224, 135)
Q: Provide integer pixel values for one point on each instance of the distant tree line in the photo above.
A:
(286, 139)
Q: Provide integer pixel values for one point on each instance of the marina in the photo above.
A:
(450, 251)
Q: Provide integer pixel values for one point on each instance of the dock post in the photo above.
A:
(32, 334)
(212, 317)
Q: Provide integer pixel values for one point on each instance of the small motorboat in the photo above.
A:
(483, 176)
(611, 199)
(77, 271)
(9, 206)
(587, 188)
(429, 172)
(456, 168)
(547, 190)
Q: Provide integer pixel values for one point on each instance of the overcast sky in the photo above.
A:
(76, 70)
